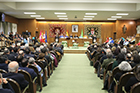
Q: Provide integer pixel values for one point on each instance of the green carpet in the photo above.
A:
(74, 75)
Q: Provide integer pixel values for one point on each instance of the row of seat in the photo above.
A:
(32, 87)
(119, 88)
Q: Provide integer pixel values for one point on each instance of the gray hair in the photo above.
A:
(123, 50)
(31, 60)
(38, 49)
(109, 55)
(13, 66)
(20, 52)
(124, 66)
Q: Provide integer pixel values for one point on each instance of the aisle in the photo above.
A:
(74, 75)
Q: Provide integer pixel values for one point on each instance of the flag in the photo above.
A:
(46, 36)
(40, 36)
(81, 32)
(67, 33)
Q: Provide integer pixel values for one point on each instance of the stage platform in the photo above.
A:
(73, 50)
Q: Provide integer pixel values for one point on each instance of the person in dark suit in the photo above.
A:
(133, 80)
(8, 55)
(76, 36)
(13, 74)
(5, 87)
(25, 64)
(28, 53)
(4, 63)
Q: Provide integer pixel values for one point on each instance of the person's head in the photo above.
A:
(43, 50)
(120, 58)
(109, 55)
(21, 52)
(24, 62)
(3, 60)
(123, 50)
(19, 58)
(31, 60)
(128, 56)
(6, 51)
(41, 55)
(13, 67)
(27, 50)
(124, 66)
(136, 58)
(137, 72)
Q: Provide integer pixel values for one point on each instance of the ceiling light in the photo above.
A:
(35, 15)
(90, 13)
(122, 14)
(62, 16)
(59, 13)
(87, 18)
(40, 18)
(111, 19)
(29, 12)
(131, 23)
(116, 16)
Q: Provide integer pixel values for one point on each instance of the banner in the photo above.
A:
(81, 32)
(67, 33)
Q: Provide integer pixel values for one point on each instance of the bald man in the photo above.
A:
(13, 74)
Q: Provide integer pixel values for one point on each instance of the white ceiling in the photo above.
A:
(46, 8)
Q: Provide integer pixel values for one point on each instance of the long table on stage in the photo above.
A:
(80, 41)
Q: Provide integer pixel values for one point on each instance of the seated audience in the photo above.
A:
(124, 67)
(133, 80)
(13, 74)
(4, 63)
(25, 64)
(5, 87)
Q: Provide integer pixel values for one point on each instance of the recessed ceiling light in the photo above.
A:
(61, 13)
(40, 18)
(116, 16)
(62, 16)
(111, 19)
(29, 12)
(90, 13)
(35, 15)
(88, 16)
(122, 14)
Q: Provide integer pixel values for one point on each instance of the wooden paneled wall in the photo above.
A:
(11, 19)
(107, 28)
(26, 24)
(130, 25)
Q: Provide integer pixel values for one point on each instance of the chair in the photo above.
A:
(88, 54)
(54, 53)
(27, 76)
(44, 69)
(39, 78)
(108, 68)
(135, 88)
(16, 86)
(112, 74)
(122, 81)
(2, 71)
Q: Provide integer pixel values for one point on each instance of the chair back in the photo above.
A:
(109, 67)
(27, 76)
(115, 71)
(2, 71)
(123, 80)
(14, 85)
(135, 88)
(39, 78)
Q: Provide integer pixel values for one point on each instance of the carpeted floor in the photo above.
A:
(74, 75)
